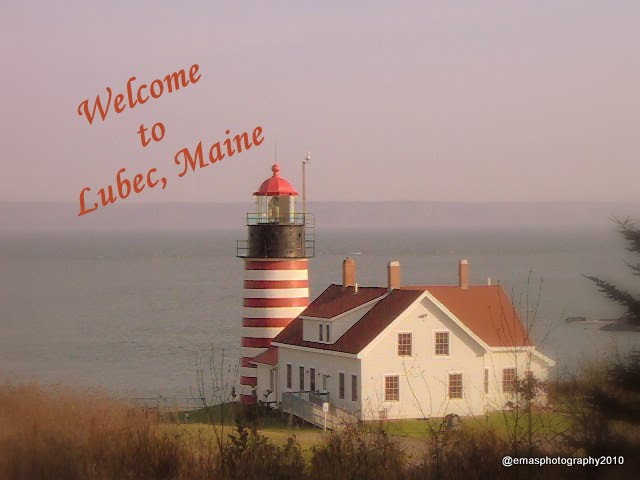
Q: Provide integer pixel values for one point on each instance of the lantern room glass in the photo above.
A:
(275, 209)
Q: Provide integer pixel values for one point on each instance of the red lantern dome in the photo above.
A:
(276, 185)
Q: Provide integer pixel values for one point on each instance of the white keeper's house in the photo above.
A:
(402, 351)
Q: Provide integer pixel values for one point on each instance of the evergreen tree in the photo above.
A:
(631, 232)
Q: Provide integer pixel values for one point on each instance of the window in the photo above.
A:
(341, 385)
(289, 375)
(508, 380)
(404, 344)
(530, 384)
(354, 388)
(486, 380)
(392, 389)
(442, 343)
(326, 327)
(312, 379)
(320, 332)
(301, 371)
(272, 380)
(324, 382)
(455, 385)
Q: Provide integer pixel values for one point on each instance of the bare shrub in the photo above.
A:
(250, 456)
(354, 454)
(476, 456)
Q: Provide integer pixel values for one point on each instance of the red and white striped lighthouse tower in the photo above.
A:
(276, 276)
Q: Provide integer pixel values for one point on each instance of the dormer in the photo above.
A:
(339, 307)
(330, 329)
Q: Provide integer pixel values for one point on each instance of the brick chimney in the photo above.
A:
(348, 272)
(463, 274)
(393, 270)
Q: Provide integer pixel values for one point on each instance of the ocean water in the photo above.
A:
(137, 312)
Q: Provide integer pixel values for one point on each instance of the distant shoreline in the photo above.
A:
(608, 325)
(25, 216)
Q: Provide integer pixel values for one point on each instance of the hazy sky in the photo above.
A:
(431, 100)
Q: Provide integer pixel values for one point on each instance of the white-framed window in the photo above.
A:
(289, 375)
(354, 388)
(312, 379)
(301, 378)
(455, 385)
(405, 346)
(530, 383)
(272, 380)
(508, 380)
(327, 331)
(392, 388)
(486, 381)
(442, 343)
(341, 385)
(320, 330)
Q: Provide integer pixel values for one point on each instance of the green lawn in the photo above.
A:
(276, 426)
(501, 423)
(227, 414)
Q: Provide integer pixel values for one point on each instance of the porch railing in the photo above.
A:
(309, 407)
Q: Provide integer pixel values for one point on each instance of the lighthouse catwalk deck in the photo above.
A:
(276, 275)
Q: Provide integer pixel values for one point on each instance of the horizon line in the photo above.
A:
(528, 202)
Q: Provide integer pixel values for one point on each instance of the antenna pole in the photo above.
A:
(304, 183)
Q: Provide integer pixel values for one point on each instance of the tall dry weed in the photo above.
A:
(58, 432)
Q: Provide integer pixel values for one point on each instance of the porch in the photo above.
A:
(317, 409)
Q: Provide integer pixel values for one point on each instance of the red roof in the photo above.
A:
(363, 331)
(270, 357)
(337, 299)
(485, 310)
(275, 185)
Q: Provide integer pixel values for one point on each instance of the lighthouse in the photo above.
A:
(280, 241)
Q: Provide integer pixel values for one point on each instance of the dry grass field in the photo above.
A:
(63, 433)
